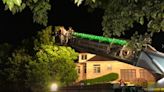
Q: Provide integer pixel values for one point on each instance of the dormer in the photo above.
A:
(83, 57)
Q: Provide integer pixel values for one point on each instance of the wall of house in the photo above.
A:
(80, 70)
(105, 68)
(126, 72)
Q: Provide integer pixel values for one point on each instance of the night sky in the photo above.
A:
(20, 26)
(14, 28)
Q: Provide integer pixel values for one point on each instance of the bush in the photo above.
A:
(103, 79)
(140, 82)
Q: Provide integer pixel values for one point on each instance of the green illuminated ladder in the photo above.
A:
(100, 38)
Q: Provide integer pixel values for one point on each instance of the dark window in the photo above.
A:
(84, 57)
(96, 68)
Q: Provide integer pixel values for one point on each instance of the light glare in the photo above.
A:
(54, 87)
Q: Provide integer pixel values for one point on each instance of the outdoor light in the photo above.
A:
(54, 87)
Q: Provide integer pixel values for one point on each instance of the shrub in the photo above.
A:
(140, 82)
(103, 79)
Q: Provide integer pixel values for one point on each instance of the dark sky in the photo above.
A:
(14, 28)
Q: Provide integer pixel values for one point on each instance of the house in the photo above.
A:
(91, 66)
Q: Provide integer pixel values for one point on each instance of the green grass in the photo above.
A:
(103, 79)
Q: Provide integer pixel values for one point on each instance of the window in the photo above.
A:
(109, 67)
(146, 75)
(142, 73)
(96, 68)
(128, 74)
(84, 57)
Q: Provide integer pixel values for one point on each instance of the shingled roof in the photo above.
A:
(100, 58)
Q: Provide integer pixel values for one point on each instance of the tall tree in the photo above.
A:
(39, 8)
(5, 52)
(60, 58)
(140, 18)
(120, 15)
(36, 64)
(60, 63)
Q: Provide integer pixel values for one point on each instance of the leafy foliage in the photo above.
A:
(46, 37)
(5, 50)
(34, 68)
(121, 16)
(118, 16)
(78, 2)
(140, 82)
(11, 3)
(60, 62)
(59, 58)
(139, 41)
(39, 8)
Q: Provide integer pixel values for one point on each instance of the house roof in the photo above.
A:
(99, 58)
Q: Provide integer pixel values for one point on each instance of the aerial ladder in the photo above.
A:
(148, 58)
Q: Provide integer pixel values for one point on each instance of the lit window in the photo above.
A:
(128, 74)
(146, 75)
(109, 67)
(84, 57)
(96, 68)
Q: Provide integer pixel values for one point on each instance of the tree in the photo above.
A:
(140, 18)
(60, 58)
(60, 63)
(5, 49)
(13, 68)
(17, 70)
(46, 37)
(36, 64)
(120, 15)
(5, 52)
(39, 8)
